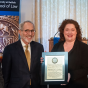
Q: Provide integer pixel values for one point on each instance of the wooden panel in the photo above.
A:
(50, 44)
(85, 40)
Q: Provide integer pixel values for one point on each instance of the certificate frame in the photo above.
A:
(54, 68)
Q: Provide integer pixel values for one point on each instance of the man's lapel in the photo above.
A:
(33, 52)
(21, 52)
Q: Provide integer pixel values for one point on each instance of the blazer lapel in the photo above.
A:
(32, 50)
(21, 52)
(33, 54)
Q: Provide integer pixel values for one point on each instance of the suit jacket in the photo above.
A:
(14, 65)
(77, 62)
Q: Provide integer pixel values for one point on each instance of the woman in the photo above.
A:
(70, 41)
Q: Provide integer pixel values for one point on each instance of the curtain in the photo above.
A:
(48, 15)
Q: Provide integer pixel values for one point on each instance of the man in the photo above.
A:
(18, 72)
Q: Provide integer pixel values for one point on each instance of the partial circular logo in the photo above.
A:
(54, 60)
(8, 30)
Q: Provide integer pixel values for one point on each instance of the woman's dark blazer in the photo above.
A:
(77, 62)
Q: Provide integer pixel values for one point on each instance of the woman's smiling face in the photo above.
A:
(70, 32)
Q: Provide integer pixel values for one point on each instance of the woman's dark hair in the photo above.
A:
(70, 21)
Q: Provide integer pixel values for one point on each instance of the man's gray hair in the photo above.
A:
(22, 24)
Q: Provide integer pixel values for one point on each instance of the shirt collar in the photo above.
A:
(23, 44)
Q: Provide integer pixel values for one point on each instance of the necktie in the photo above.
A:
(27, 54)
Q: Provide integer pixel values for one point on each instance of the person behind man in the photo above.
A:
(1, 77)
(21, 60)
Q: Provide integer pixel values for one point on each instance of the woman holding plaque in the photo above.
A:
(70, 41)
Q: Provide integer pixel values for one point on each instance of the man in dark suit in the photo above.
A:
(15, 67)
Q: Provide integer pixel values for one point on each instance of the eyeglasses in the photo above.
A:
(27, 31)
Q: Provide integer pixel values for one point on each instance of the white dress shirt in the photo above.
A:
(23, 45)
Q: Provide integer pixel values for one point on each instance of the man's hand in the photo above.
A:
(41, 60)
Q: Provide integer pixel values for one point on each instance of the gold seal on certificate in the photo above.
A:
(54, 60)
(54, 68)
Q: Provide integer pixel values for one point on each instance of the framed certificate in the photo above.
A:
(54, 69)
